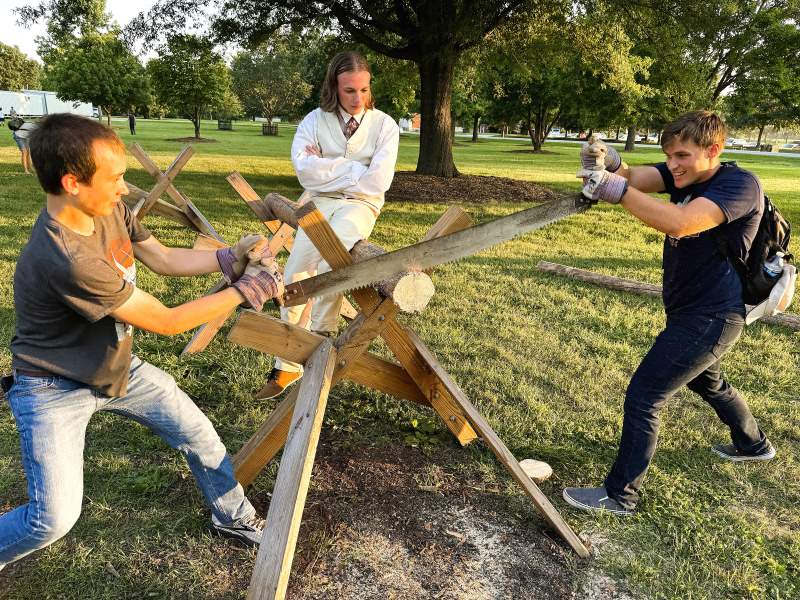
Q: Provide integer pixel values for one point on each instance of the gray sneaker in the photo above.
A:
(729, 452)
(248, 531)
(595, 500)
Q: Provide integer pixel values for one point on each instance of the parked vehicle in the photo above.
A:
(792, 146)
(38, 103)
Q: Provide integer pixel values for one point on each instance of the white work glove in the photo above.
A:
(595, 156)
(602, 185)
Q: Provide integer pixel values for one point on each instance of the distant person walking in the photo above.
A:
(132, 123)
(2, 117)
(20, 133)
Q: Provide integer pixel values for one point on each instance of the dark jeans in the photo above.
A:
(687, 352)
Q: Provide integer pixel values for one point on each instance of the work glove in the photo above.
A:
(595, 156)
(259, 283)
(602, 185)
(234, 260)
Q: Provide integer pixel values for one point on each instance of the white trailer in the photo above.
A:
(38, 103)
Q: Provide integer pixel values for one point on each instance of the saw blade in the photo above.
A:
(437, 251)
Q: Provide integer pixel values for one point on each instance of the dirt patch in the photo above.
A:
(391, 522)
(193, 140)
(408, 186)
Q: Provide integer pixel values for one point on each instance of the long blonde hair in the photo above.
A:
(341, 63)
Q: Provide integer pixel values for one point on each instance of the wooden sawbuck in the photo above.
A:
(295, 424)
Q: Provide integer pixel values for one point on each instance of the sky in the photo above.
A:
(12, 34)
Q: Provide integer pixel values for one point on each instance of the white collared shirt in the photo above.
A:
(344, 175)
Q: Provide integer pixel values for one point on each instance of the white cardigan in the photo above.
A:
(360, 168)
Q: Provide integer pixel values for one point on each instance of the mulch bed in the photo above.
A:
(408, 186)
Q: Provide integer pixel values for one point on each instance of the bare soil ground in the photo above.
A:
(392, 522)
(408, 186)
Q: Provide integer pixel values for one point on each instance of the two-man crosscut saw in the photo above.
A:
(434, 252)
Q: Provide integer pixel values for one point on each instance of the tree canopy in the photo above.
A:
(17, 71)
(119, 84)
(189, 77)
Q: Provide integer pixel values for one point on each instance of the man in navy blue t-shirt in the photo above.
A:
(702, 292)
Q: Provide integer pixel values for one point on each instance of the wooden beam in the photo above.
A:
(266, 442)
(273, 336)
(253, 200)
(324, 238)
(163, 180)
(500, 450)
(646, 289)
(274, 561)
(374, 372)
(452, 220)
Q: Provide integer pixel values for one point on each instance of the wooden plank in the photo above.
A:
(324, 238)
(249, 195)
(453, 219)
(398, 341)
(266, 442)
(273, 336)
(374, 372)
(163, 180)
(274, 561)
(166, 210)
(355, 340)
(500, 450)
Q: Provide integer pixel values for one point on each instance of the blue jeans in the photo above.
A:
(687, 352)
(52, 414)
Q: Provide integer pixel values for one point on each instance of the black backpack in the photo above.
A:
(772, 237)
(14, 123)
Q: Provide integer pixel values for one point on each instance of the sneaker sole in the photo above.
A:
(758, 457)
(572, 502)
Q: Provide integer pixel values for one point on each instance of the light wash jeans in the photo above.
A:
(52, 414)
(352, 221)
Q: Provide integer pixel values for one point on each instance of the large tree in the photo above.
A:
(269, 79)
(431, 34)
(99, 68)
(17, 71)
(189, 77)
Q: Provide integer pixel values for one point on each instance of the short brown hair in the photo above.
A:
(341, 63)
(702, 127)
(62, 144)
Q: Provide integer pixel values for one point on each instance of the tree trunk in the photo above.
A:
(630, 142)
(475, 122)
(435, 143)
(196, 123)
(107, 110)
(760, 133)
(617, 136)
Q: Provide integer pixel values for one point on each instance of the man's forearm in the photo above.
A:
(185, 262)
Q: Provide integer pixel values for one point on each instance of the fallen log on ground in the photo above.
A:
(637, 287)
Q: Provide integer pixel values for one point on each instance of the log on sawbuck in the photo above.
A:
(410, 291)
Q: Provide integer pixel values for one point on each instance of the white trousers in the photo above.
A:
(352, 221)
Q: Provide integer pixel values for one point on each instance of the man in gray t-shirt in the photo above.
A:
(76, 301)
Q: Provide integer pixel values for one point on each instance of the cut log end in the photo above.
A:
(413, 292)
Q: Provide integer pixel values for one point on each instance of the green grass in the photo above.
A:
(546, 359)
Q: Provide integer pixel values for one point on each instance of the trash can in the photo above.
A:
(226, 124)
(267, 129)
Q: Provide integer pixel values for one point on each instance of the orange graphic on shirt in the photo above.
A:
(120, 254)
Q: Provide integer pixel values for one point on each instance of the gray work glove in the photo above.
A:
(602, 185)
(234, 260)
(259, 283)
(596, 155)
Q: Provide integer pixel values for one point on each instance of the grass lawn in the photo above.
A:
(546, 359)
